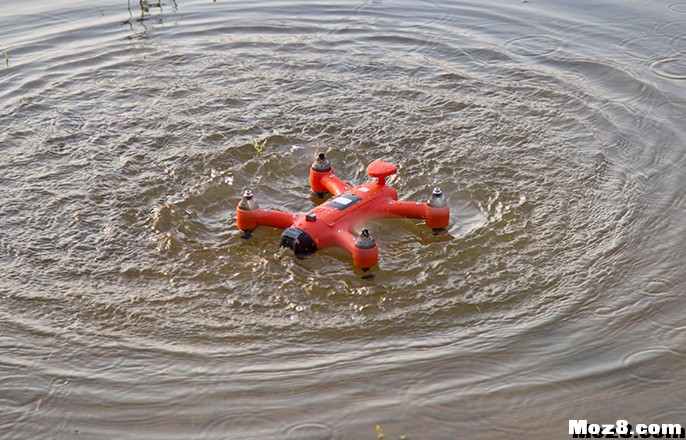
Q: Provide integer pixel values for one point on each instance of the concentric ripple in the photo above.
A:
(130, 305)
(670, 67)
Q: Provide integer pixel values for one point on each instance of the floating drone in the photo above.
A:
(332, 223)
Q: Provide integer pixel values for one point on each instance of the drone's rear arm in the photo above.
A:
(435, 217)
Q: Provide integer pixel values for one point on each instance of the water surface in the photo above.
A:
(130, 307)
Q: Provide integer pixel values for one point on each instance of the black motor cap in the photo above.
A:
(298, 240)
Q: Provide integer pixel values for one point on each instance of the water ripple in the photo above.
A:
(677, 8)
(670, 67)
(535, 45)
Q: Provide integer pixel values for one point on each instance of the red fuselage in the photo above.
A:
(337, 222)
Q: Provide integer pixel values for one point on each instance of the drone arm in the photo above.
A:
(365, 252)
(435, 217)
(335, 185)
(250, 219)
(406, 209)
(323, 179)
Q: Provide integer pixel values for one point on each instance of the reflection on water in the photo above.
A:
(145, 15)
(148, 9)
(131, 308)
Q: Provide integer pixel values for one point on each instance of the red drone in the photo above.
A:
(332, 223)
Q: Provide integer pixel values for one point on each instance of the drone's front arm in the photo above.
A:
(248, 220)
(363, 248)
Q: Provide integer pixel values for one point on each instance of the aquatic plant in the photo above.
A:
(380, 432)
(381, 436)
(7, 59)
(257, 146)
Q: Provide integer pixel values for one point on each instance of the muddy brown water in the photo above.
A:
(130, 308)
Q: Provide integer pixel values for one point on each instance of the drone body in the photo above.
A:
(332, 223)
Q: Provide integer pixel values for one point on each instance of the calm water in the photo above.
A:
(130, 308)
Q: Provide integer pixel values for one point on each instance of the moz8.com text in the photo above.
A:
(624, 429)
